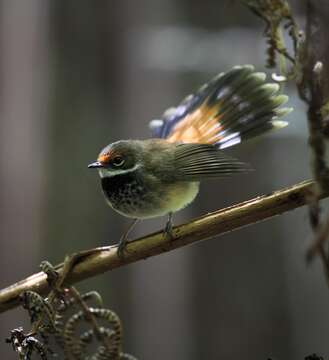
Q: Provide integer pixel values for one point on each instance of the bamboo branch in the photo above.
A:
(205, 227)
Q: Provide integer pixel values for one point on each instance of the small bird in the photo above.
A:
(144, 179)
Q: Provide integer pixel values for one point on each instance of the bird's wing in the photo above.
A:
(232, 107)
(195, 162)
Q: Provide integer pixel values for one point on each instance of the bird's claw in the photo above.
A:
(168, 231)
(121, 249)
(123, 241)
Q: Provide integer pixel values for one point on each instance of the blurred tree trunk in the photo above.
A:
(23, 133)
(88, 108)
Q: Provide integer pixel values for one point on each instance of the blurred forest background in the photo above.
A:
(77, 75)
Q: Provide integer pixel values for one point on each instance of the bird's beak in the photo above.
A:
(95, 164)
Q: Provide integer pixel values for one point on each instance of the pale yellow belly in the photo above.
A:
(181, 195)
(155, 201)
(176, 197)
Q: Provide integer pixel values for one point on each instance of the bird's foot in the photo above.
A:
(124, 239)
(122, 248)
(168, 230)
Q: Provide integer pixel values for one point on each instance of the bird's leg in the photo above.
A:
(124, 238)
(168, 228)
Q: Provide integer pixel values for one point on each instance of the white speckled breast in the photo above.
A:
(131, 197)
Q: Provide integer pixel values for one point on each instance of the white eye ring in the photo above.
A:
(118, 161)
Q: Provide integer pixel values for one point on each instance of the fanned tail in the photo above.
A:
(231, 108)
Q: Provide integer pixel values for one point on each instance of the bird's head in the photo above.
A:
(118, 158)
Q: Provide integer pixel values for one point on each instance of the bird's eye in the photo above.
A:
(118, 161)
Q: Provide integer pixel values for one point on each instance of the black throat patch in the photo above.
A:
(125, 192)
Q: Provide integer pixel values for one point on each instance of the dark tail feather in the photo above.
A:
(233, 107)
(250, 107)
